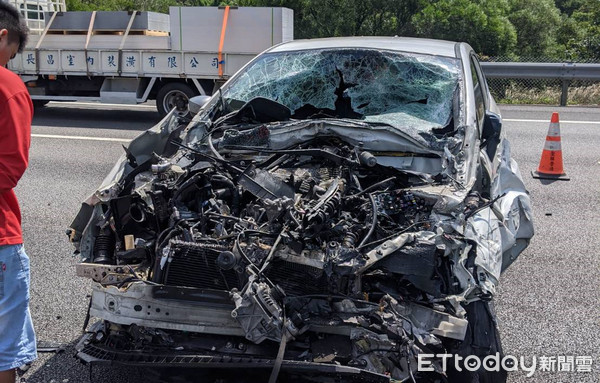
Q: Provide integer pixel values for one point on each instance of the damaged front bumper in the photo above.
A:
(90, 352)
(165, 326)
(166, 307)
(213, 312)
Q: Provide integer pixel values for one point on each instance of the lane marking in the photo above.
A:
(548, 121)
(109, 139)
(81, 138)
(83, 103)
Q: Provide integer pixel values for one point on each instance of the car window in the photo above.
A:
(478, 89)
(395, 88)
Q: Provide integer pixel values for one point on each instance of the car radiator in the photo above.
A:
(195, 265)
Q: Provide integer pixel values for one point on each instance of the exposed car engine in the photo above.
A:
(315, 239)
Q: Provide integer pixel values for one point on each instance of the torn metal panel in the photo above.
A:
(484, 229)
(514, 206)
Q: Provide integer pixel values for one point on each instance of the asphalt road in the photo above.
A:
(548, 302)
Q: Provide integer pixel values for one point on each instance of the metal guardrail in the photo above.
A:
(566, 72)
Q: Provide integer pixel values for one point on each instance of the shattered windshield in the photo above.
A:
(400, 89)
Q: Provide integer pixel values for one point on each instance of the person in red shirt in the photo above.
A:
(17, 338)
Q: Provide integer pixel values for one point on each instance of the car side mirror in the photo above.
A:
(490, 136)
(196, 103)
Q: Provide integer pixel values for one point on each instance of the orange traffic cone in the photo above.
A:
(551, 164)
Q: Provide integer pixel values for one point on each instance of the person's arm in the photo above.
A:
(15, 137)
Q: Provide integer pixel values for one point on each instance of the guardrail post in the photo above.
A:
(565, 92)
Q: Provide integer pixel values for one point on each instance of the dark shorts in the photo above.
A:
(17, 339)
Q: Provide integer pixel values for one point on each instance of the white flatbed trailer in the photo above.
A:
(202, 48)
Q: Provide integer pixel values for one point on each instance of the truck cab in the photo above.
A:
(33, 12)
(130, 57)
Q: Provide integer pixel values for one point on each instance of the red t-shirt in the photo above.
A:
(16, 113)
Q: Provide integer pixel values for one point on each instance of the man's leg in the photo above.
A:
(17, 338)
(8, 376)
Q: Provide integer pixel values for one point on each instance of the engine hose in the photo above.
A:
(212, 147)
(235, 202)
(373, 223)
(183, 187)
(376, 185)
(161, 242)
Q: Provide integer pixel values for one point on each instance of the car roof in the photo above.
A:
(402, 44)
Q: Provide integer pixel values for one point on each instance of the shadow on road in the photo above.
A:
(550, 181)
(63, 367)
(73, 117)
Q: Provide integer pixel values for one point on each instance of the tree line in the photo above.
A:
(511, 29)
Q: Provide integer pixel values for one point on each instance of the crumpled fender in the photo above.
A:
(503, 230)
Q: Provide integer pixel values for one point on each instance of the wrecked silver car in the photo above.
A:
(337, 209)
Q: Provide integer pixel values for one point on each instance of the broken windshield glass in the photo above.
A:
(400, 89)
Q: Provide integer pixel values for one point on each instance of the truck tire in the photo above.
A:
(171, 95)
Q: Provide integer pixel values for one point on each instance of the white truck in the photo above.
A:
(132, 57)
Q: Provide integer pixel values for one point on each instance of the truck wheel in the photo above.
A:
(173, 95)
